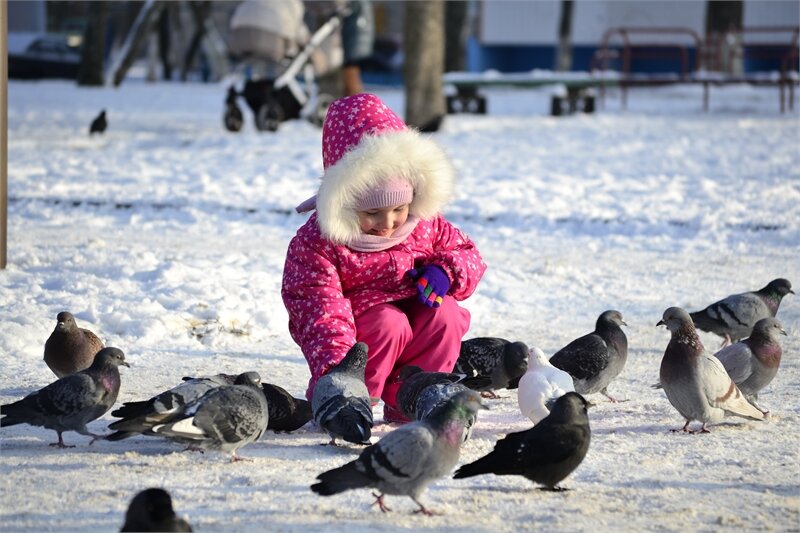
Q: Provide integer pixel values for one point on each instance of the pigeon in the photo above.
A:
(413, 380)
(753, 362)
(541, 386)
(408, 459)
(223, 419)
(434, 396)
(234, 120)
(696, 383)
(151, 510)
(341, 403)
(70, 349)
(99, 124)
(69, 403)
(595, 359)
(546, 453)
(733, 318)
(141, 417)
(286, 413)
(503, 361)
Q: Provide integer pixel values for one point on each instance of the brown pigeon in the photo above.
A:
(70, 349)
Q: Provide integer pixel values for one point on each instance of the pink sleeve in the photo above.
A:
(320, 317)
(458, 256)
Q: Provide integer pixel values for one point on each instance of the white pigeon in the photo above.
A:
(541, 386)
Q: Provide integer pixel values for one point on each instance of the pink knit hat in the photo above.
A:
(395, 191)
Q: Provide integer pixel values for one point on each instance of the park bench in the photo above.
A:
(579, 89)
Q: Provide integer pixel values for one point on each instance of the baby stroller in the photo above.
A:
(275, 47)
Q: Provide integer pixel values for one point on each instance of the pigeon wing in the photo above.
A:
(582, 358)
(399, 457)
(231, 414)
(721, 391)
(738, 361)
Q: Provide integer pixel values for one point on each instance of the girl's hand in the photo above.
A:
(432, 284)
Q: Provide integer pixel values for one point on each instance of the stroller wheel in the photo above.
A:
(233, 118)
(324, 101)
(269, 116)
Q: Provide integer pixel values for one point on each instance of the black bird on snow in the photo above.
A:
(547, 453)
(151, 510)
(99, 124)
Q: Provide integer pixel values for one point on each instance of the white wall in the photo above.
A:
(524, 22)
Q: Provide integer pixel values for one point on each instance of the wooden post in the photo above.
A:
(3, 132)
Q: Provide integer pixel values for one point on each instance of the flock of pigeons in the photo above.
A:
(226, 412)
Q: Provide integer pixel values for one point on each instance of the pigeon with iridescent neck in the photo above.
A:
(71, 402)
(408, 459)
(695, 382)
(733, 317)
(753, 363)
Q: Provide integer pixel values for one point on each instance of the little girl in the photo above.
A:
(377, 263)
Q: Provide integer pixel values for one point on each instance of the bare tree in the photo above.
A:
(455, 35)
(90, 71)
(423, 41)
(137, 37)
(201, 10)
(724, 36)
(564, 51)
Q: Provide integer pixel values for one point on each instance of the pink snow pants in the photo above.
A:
(409, 333)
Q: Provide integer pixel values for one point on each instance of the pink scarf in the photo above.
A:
(374, 243)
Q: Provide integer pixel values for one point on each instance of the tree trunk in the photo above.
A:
(455, 35)
(164, 44)
(423, 42)
(136, 39)
(723, 24)
(564, 52)
(200, 12)
(90, 71)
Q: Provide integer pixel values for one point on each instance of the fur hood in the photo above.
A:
(375, 159)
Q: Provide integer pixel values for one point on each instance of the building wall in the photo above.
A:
(517, 36)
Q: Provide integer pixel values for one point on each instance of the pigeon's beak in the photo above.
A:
(790, 290)
(483, 406)
(661, 323)
(125, 363)
(783, 331)
(624, 323)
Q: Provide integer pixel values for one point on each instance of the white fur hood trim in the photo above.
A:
(391, 154)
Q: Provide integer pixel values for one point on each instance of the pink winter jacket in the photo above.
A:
(326, 285)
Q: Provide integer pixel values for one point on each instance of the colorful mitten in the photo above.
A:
(432, 284)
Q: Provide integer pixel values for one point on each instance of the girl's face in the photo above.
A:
(383, 222)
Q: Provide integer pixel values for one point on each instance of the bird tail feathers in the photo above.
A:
(484, 465)
(339, 480)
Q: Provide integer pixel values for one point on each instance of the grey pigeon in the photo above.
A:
(503, 361)
(151, 510)
(753, 362)
(286, 413)
(141, 417)
(70, 349)
(99, 124)
(547, 453)
(733, 318)
(223, 419)
(341, 403)
(71, 402)
(413, 380)
(696, 383)
(408, 459)
(595, 359)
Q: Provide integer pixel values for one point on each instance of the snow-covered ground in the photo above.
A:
(166, 236)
